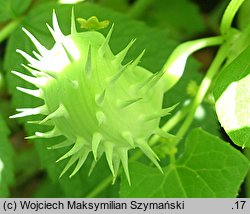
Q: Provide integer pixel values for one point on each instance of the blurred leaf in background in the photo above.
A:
(181, 18)
(11, 9)
(6, 160)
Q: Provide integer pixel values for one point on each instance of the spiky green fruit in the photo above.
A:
(91, 98)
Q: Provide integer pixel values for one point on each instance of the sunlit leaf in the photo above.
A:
(232, 95)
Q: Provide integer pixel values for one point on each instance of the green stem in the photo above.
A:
(229, 15)
(174, 67)
(9, 28)
(205, 84)
(139, 7)
(174, 120)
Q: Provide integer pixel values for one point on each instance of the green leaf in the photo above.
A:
(232, 95)
(158, 46)
(239, 41)
(209, 167)
(176, 16)
(6, 161)
(10, 9)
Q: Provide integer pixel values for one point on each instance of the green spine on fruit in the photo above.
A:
(100, 105)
